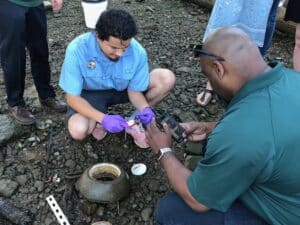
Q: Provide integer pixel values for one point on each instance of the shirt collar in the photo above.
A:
(259, 82)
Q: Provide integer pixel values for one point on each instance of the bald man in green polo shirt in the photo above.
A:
(250, 171)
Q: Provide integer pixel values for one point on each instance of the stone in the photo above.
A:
(70, 164)
(9, 129)
(22, 179)
(39, 185)
(184, 69)
(28, 155)
(146, 213)
(154, 185)
(7, 187)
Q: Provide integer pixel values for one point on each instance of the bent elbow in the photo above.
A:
(196, 206)
(199, 208)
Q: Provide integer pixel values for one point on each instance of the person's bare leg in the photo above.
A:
(205, 96)
(296, 56)
(79, 127)
(162, 82)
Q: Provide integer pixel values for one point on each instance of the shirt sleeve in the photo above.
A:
(141, 79)
(71, 80)
(228, 169)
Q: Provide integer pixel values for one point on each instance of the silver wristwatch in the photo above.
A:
(163, 151)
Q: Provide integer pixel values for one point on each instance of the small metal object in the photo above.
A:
(56, 178)
(60, 216)
(91, 64)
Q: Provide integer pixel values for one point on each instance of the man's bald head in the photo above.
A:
(242, 60)
(222, 37)
(234, 45)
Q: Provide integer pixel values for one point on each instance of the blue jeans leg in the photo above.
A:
(172, 210)
(270, 28)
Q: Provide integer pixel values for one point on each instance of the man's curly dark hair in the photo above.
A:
(117, 23)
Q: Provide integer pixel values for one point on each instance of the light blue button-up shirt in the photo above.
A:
(86, 67)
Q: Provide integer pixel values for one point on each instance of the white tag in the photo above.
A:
(60, 216)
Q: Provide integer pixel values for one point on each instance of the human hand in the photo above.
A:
(156, 138)
(197, 131)
(114, 123)
(56, 5)
(146, 115)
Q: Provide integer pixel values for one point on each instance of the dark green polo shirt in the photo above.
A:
(27, 3)
(254, 151)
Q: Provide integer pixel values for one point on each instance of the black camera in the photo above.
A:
(175, 128)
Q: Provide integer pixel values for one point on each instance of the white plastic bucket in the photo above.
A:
(92, 9)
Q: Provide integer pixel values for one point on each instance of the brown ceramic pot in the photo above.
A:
(104, 182)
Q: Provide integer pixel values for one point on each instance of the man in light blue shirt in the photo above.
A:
(108, 67)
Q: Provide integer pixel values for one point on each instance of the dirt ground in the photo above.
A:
(47, 161)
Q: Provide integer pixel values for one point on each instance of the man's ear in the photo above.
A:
(219, 69)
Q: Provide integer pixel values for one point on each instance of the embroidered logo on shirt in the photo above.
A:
(91, 64)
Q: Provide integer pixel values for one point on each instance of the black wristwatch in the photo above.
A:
(162, 152)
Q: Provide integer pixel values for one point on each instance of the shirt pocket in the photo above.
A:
(122, 79)
(95, 78)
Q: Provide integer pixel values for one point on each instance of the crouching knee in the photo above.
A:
(77, 129)
(164, 78)
(168, 79)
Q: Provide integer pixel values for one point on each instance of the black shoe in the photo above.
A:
(54, 104)
(21, 115)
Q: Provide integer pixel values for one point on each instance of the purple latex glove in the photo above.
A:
(114, 123)
(146, 115)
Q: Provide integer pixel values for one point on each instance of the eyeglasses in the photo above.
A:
(198, 51)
